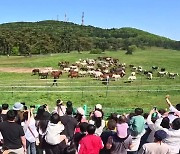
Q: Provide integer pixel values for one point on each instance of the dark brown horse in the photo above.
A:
(56, 74)
(43, 75)
(35, 71)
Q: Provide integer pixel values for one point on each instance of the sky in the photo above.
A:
(161, 17)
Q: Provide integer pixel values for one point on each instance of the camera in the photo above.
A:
(32, 106)
(45, 105)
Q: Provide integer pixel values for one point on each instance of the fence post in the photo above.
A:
(85, 108)
(12, 91)
(82, 91)
(107, 88)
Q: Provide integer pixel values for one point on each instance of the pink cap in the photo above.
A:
(97, 114)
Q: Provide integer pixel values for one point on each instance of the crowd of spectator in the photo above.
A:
(66, 131)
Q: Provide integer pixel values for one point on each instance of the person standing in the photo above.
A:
(157, 146)
(13, 137)
(91, 143)
(55, 81)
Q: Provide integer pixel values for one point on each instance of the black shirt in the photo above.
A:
(70, 124)
(11, 133)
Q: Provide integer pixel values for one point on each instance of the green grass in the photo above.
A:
(118, 96)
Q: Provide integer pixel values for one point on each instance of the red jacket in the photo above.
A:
(90, 144)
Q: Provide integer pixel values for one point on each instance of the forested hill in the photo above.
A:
(21, 38)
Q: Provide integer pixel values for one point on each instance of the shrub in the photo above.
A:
(96, 51)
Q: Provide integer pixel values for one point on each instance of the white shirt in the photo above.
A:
(53, 133)
(31, 133)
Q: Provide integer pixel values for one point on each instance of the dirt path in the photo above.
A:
(16, 70)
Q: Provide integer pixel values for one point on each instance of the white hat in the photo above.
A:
(17, 106)
(81, 111)
(98, 106)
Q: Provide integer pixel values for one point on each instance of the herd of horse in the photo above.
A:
(101, 68)
(44, 74)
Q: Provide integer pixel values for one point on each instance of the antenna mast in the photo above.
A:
(82, 19)
(65, 18)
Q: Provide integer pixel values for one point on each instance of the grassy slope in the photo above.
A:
(115, 99)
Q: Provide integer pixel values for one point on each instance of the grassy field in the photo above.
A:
(117, 96)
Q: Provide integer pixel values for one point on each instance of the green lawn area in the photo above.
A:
(117, 96)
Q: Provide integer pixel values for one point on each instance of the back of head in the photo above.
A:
(5, 106)
(176, 124)
(138, 111)
(122, 119)
(162, 111)
(11, 115)
(113, 116)
(83, 126)
(69, 111)
(111, 124)
(69, 104)
(55, 118)
(165, 123)
(160, 135)
(58, 102)
(91, 129)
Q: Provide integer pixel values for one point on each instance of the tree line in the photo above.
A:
(26, 38)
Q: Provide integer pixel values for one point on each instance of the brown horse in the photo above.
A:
(56, 74)
(35, 71)
(73, 74)
(43, 75)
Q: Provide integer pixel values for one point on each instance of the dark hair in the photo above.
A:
(178, 107)
(58, 102)
(138, 111)
(25, 116)
(111, 124)
(83, 126)
(122, 119)
(5, 106)
(69, 111)
(69, 104)
(11, 115)
(40, 112)
(165, 123)
(55, 118)
(43, 125)
(113, 116)
(0, 110)
(91, 129)
(78, 117)
(162, 111)
(145, 115)
(97, 121)
(176, 124)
